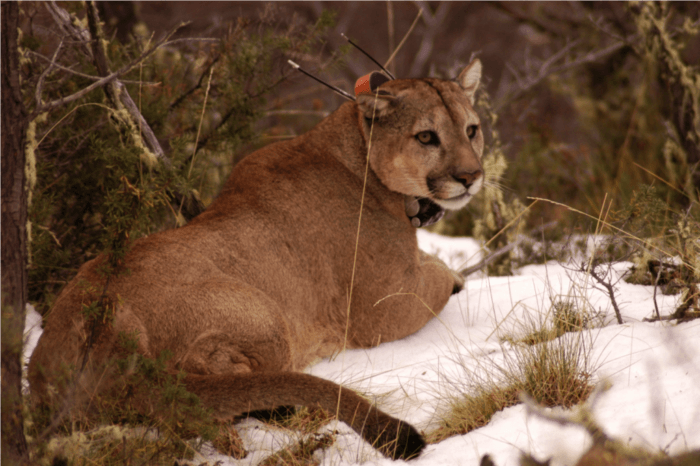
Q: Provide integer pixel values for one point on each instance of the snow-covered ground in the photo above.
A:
(654, 370)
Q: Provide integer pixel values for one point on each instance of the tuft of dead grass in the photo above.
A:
(550, 364)
(305, 423)
(115, 445)
(301, 454)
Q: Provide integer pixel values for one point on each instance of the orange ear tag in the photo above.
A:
(369, 83)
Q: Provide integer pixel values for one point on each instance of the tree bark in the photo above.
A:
(14, 241)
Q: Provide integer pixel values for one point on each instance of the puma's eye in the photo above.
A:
(428, 137)
(471, 131)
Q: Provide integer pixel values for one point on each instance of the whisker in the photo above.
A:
(497, 185)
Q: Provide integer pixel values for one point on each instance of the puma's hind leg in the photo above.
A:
(238, 330)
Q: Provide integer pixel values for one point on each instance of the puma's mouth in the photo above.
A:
(423, 211)
(454, 203)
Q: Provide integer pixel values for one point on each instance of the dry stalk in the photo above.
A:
(608, 287)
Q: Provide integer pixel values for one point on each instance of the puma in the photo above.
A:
(267, 280)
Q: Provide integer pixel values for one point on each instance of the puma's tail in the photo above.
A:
(233, 395)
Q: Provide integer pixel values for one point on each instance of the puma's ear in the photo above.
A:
(469, 79)
(376, 104)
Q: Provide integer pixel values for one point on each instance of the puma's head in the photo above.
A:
(426, 138)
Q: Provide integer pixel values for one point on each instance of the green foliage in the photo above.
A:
(683, 82)
(624, 114)
(581, 176)
(665, 253)
(114, 445)
(171, 408)
(97, 188)
(157, 419)
(645, 214)
(634, 118)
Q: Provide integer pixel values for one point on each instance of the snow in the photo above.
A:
(653, 369)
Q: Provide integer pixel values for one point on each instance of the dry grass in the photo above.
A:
(114, 445)
(301, 454)
(550, 364)
(303, 423)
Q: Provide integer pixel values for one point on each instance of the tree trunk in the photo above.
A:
(14, 241)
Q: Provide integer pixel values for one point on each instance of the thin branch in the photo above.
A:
(84, 75)
(146, 130)
(199, 128)
(40, 84)
(408, 33)
(390, 28)
(531, 20)
(102, 82)
(490, 258)
(205, 139)
(433, 28)
(99, 52)
(115, 90)
(656, 285)
(62, 18)
(505, 249)
(191, 39)
(182, 98)
(548, 69)
(608, 287)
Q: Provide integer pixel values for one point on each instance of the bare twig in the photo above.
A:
(182, 98)
(548, 68)
(99, 53)
(146, 130)
(433, 27)
(533, 21)
(199, 128)
(390, 28)
(656, 285)
(505, 249)
(115, 90)
(84, 75)
(62, 18)
(40, 84)
(490, 258)
(101, 82)
(408, 33)
(205, 139)
(609, 288)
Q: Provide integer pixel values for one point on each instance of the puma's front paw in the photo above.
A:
(422, 211)
(458, 283)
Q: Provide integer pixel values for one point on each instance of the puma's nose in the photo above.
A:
(468, 178)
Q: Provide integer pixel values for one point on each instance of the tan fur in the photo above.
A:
(257, 287)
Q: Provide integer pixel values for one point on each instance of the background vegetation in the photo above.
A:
(591, 105)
